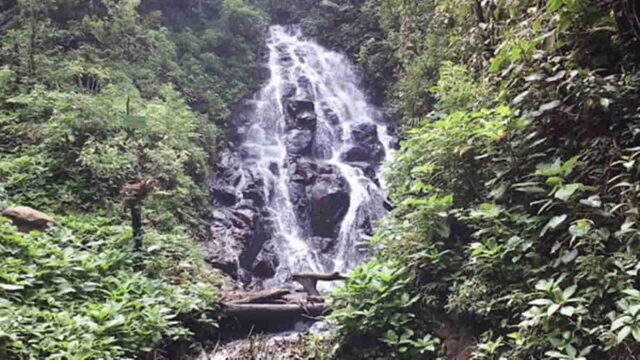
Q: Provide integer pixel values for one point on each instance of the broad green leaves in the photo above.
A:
(72, 292)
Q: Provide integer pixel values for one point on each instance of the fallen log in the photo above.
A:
(258, 297)
(273, 311)
(309, 281)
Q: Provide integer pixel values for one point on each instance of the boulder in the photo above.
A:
(329, 203)
(300, 114)
(247, 216)
(223, 195)
(298, 142)
(367, 147)
(302, 171)
(226, 245)
(253, 188)
(265, 265)
(27, 219)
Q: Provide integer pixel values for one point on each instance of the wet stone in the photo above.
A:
(299, 142)
(329, 203)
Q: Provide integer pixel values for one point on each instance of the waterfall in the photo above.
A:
(302, 191)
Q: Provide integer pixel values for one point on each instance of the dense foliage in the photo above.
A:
(74, 293)
(95, 95)
(515, 228)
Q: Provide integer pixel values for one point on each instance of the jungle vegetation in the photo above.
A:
(515, 189)
(95, 95)
(515, 228)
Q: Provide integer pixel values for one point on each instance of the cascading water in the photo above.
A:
(304, 193)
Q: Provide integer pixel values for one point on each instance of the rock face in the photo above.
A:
(366, 145)
(28, 219)
(300, 114)
(299, 142)
(329, 203)
(304, 152)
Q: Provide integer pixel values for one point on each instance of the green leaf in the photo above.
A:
(552, 309)
(540, 302)
(11, 287)
(554, 5)
(593, 201)
(569, 256)
(619, 322)
(566, 191)
(623, 334)
(568, 311)
(556, 354)
(568, 292)
(553, 223)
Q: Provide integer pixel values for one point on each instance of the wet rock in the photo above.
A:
(305, 88)
(322, 144)
(298, 142)
(262, 75)
(273, 167)
(27, 219)
(327, 169)
(367, 169)
(265, 265)
(247, 216)
(253, 188)
(330, 115)
(302, 171)
(322, 244)
(329, 203)
(285, 60)
(254, 249)
(301, 54)
(367, 145)
(300, 201)
(300, 114)
(225, 246)
(241, 120)
(249, 153)
(224, 195)
(322, 151)
(246, 204)
(227, 178)
(288, 91)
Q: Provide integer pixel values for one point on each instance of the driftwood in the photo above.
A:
(309, 281)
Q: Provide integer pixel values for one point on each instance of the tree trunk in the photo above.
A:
(136, 224)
